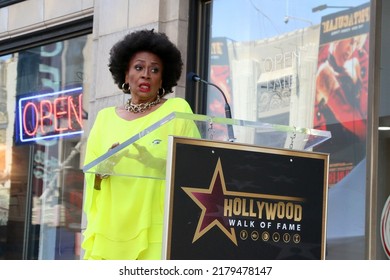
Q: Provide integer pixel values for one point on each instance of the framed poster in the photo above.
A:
(236, 201)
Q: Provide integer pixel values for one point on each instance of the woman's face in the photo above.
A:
(343, 50)
(144, 76)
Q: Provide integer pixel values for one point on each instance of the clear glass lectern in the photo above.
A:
(119, 160)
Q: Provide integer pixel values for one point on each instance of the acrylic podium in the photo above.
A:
(240, 190)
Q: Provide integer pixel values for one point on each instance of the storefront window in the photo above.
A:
(302, 64)
(42, 118)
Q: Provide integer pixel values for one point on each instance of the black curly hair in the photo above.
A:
(154, 42)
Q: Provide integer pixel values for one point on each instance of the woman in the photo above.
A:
(125, 213)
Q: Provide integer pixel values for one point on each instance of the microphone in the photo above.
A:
(195, 78)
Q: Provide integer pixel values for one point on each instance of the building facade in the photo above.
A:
(53, 63)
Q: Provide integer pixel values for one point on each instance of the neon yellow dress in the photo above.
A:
(125, 217)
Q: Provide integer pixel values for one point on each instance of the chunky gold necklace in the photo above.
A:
(142, 107)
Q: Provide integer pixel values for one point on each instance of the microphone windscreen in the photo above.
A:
(191, 76)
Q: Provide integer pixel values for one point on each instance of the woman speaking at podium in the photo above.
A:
(125, 213)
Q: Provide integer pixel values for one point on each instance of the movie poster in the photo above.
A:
(220, 76)
(342, 88)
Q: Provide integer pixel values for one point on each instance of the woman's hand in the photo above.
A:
(145, 157)
(106, 166)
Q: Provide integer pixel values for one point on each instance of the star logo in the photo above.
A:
(211, 201)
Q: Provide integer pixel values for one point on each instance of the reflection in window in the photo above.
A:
(42, 173)
(267, 55)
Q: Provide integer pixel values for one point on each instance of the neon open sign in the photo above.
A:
(50, 115)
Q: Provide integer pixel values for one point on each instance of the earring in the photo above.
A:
(161, 92)
(126, 88)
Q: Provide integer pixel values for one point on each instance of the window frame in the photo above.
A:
(5, 3)
(46, 36)
(198, 53)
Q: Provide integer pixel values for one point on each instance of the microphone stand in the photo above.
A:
(228, 113)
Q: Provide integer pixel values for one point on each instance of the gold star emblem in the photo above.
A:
(211, 201)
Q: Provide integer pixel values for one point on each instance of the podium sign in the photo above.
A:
(239, 201)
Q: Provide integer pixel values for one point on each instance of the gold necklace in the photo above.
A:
(142, 107)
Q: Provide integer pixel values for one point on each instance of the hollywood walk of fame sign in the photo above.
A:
(236, 201)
